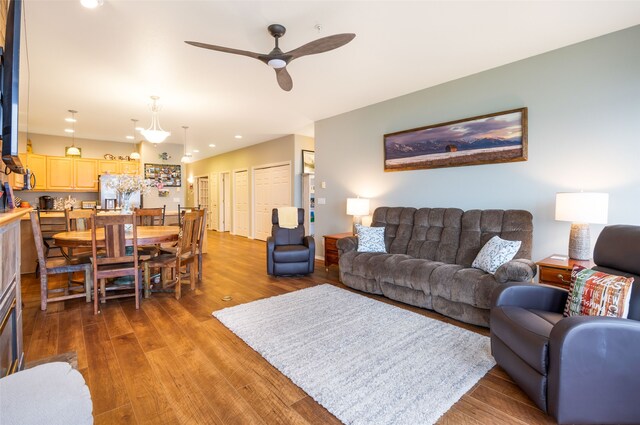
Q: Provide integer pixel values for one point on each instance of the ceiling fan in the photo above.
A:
(277, 59)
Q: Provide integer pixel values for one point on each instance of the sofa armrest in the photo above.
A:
(520, 270)
(271, 246)
(347, 244)
(594, 371)
(530, 296)
(310, 243)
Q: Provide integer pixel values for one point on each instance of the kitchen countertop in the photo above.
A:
(14, 214)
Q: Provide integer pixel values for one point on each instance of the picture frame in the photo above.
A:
(168, 175)
(485, 139)
(8, 193)
(308, 162)
(109, 204)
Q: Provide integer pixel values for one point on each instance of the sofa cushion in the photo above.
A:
(494, 253)
(436, 234)
(526, 332)
(478, 226)
(594, 293)
(398, 224)
(290, 254)
(370, 239)
(464, 285)
(408, 272)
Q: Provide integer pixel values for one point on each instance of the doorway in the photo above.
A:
(241, 203)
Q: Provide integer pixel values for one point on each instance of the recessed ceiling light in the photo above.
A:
(212, 145)
(196, 151)
(68, 130)
(91, 4)
(130, 137)
(139, 128)
(70, 119)
(238, 136)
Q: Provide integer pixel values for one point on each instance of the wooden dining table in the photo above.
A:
(147, 235)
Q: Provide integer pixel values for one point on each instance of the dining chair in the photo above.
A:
(172, 263)
(183, 208)
(58, 265)
(150, 216)
(201, 239)
(112, 260)
(49, 226)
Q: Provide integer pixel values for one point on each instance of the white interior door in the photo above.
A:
(213, 220)
(262, 203)
(225, 202)
(272, 189)
(241, 203)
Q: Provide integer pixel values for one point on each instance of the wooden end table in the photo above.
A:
(331, 248)
(556, 269)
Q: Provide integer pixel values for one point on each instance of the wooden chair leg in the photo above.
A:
(200, 267)
(136, 288)
(178, 287)
(193, 270)
(44, 290)
(88, 278)
(103, 290)
(96, 295)
(147, 280)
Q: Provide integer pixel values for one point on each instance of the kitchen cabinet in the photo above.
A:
(129, 167)
(38, 166)
(59, 173)
(85, 172)
(106, 166)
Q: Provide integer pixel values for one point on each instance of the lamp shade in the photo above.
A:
(357, 206)
(582, 207)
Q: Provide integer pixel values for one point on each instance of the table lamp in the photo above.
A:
(357, 207)
(581, 209)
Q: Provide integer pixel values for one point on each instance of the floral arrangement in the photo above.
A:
(126, 184)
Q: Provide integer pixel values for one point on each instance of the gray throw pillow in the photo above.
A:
(495, 253)
(370, 239)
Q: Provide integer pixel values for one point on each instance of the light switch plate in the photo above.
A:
(322, 201)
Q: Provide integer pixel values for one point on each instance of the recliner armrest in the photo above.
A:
(347, 244)
(530, 296)
(310, 243)
(594, 373)
(519, 270)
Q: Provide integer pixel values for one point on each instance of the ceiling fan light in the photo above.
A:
(277, 63)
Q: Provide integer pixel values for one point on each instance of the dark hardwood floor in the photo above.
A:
(172, 362)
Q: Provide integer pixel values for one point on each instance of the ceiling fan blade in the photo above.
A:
(225, 49)
(321, 45)
(284, 79)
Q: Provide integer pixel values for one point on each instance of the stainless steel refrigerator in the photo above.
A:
(109, 198)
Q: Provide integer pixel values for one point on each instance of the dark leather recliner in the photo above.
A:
(583, 370)
(289, 251)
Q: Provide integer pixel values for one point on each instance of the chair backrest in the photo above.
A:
(37, 236)
(115, 246)
(189, 233)
(202, 213)
(283, 236)
(49, 226)
(617, 251)
(150, 216)
(78, 219)
(183, 208)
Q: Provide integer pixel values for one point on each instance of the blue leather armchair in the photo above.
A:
(289, 251)
(583, 370)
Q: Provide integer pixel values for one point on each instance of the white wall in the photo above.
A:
(584, 127)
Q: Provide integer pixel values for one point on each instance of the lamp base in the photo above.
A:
(580, 242)
(356, 220)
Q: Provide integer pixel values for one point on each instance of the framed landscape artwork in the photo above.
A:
(486, 139)
(308, 162)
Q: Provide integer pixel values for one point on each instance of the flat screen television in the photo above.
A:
(10, 86)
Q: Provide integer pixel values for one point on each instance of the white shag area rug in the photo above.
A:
(365, 361)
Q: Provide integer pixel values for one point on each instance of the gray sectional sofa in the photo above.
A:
(429, 256)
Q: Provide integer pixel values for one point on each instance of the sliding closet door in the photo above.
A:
(272, 189)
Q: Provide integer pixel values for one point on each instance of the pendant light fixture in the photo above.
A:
(186, 158)
(72, 150)
(134, 154)
(155, 133)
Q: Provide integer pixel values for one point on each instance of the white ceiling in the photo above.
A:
(107, 62)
